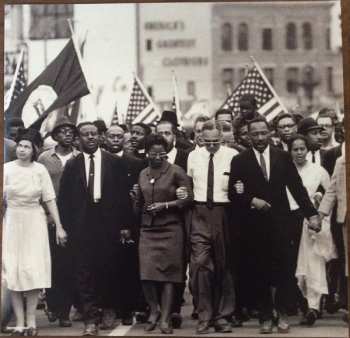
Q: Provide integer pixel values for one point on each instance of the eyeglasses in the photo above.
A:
(215, 141)
(289, 126)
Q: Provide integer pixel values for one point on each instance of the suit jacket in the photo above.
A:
(115, 205)
(336, 192)
(283, 173)
(181, 158)
(329, 157)
(133, 167)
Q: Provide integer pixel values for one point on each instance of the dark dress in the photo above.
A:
(161, 246)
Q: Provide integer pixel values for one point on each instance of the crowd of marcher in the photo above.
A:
(113, 223)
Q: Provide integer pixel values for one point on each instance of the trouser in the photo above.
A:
(97, 266)
(60, 296)
(211, 280)
(271, 255)
(130, 286)
(6, 306)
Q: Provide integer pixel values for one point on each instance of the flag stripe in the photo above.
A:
(144, 114)
(267, 106)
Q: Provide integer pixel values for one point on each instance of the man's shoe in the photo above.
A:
(202, 328)
(266, 327)
(141, 317)
(90, 330)
(176, 320)
(222, 327)
(283, 325)
(127, 321)
(51, 316)
(165, 328)
(108, 320)
(65, 323)
(235, 322)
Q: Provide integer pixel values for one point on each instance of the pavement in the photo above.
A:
(329, 326)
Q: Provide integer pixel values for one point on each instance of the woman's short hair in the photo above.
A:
(155, 140)
(34, 147)
(296, 137)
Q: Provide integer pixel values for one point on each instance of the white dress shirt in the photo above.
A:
(97, 177)
(266, 154)
(317, 157)
(120, 153)
(172, 155)
(197, 168)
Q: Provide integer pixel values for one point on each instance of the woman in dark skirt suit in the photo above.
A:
(161, 246)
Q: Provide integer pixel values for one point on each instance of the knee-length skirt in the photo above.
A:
(161, 253)
(26, 252)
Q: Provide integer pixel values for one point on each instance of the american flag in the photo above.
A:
(19, 83)
(141, 107)
(256, 83)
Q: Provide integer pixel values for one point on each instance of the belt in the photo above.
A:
(215, 204)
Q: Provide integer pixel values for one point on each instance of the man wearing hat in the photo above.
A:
(312, 131)
(60, 296)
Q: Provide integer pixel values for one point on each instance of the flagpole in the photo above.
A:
(12, 88)
(177, 99)
(268, 83)
(77, 50)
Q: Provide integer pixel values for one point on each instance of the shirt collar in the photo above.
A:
(120, 153)
(97, 154)
(172, 152)
(53, 152)
(266, 152)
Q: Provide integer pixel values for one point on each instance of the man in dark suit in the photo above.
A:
(257, 187)
(129, 281)
(96, 212)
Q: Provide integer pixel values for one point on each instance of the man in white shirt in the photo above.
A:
(95, 210)
(211, 281)
(327, 122)
(286, 128)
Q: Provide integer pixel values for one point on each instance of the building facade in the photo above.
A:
(209, 47)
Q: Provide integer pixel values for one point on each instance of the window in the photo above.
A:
(148, 45)
(330, 87)
(50, 21)
(328, 38)
(292, 77)
(269, 72)
(291, 36)
(228, 79)
(150, 91)
(267, 39)
(191, 88)
(243, 36)
(226, 37)
(307, 35)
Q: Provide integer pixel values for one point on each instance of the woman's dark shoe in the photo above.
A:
(165, 328)
(31, 332)
(151, 324)
(310, 318)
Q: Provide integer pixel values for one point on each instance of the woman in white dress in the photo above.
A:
(26, 255)
(314, 246)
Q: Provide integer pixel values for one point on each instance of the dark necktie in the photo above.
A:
(91, 178)
(210, 186)
(313, 157)
(263, 166)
